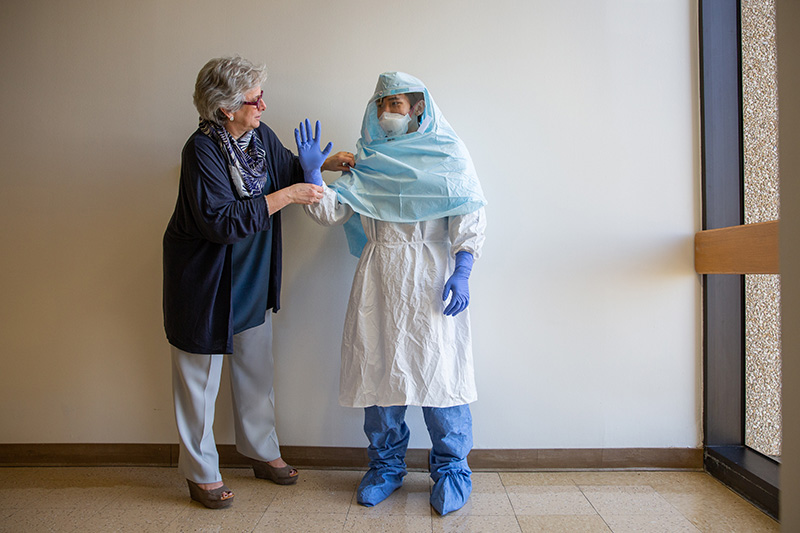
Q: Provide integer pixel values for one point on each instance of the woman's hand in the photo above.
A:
(299, 193)
(304, 193)
(339, 162)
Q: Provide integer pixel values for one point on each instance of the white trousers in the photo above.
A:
(195, 385)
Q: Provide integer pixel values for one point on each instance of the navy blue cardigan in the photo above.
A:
(208, 218)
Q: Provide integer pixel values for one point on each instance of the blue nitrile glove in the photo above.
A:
(311, 158)
(458, 284)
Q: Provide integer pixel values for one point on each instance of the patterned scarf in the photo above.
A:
(247, 159)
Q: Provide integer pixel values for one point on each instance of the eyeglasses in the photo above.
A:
(258, 100)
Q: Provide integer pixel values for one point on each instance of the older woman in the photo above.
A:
(222, 272)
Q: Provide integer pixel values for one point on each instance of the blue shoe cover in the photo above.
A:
(378, 484)
(451, 492)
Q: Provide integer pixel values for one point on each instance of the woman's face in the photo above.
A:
(248, 117)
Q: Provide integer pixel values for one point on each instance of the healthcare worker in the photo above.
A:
(413, 211)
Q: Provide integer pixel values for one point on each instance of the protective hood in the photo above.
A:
(410, 177)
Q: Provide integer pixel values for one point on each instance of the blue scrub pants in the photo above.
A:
(195, 385)
(450, 429)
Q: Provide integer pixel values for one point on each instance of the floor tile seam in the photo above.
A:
(676, 509)
(603, 518)
(650, 517)
(110, 502)
(696, 525)
(656, 514)
(510, 501)
(511, 505)
(611, 516)
(504, 492)
(271, 501)
(511, 488)
(655, 492)
(519, 525)
(353, 501)
(260, 518)
(518, 513)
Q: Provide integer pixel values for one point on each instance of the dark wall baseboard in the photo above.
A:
(340, 457)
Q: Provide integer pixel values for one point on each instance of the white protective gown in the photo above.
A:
(398, 346)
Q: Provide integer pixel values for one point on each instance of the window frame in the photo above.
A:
(726, 457)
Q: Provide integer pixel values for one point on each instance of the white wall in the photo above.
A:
(581, 117)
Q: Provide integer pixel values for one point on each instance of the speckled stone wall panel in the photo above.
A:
(761, 200)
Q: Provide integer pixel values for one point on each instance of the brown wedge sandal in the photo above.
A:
(218, 498)
(281, 476)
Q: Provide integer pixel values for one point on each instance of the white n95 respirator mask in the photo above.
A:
(394, 124)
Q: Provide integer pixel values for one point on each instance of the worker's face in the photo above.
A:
(395, 103)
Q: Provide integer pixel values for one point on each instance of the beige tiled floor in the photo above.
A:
(156, 499)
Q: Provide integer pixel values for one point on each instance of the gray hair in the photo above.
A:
(222, 82)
